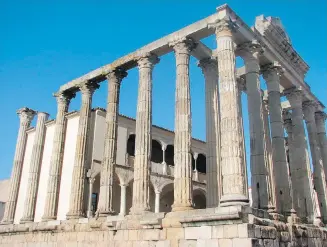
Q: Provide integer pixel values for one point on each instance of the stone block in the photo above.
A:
(150, 234)
(257, 231)
(207, 243)
(268, 242)
(133, 235)
(230, 231)
(246, 230)
(175, 233)
(241, 242)
(164, 243)
(225, 242)
(121, 244)
(218, 231)
(187, 243)
(203, 232)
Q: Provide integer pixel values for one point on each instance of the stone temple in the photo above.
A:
(97, 178)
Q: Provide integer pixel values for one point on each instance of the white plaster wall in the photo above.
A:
(99, 135)
(44, 173)
(67, 168)
(24, 178)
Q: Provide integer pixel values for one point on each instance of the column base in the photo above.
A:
(26, 220)
(139, 210)
(233, 200)
(181, 207)
(70, 215)
(6, 222)
(49, 218)
(106, 213)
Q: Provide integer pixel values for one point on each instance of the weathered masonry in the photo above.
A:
(96, 178)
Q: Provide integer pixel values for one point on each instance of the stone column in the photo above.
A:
(232, 149)
(320, 118)
(195, 171)
(122, 199)
(182, 142)
(319, 178)
(77, 196)
(35, 168)
(25, 117)
(157, 202)
(210, 71)
(110, 144)
(52, 198)
(164, 164)
(268, 155)
(143, 139)
(250, 52)
(281, 190)
(300, 166)
(89, 203)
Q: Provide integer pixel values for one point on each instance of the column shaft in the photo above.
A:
(319, 178)
(77, 197)
(280, 174)
(122, 200)
(250, 51)
(157, 202)
(300, 167)
(89, 203)
(182, 142)
(320, 118)
(25, 116)
(35, 168)
(209, 69)
(52, 198)
(110, 144)
(143, 139)
(232, 149)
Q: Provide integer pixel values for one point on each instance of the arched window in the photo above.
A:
(131, 145)
(201, 163)
(169, 155)
(156, 154)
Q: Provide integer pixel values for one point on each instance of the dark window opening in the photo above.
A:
(131, 145)
(94, 202)
(169, 155)
(156, 154)
(201, 163)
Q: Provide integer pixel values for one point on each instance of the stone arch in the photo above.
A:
(156, 152)
(199, 198)
(131, 145)
(169, 155)
(201, 163)
(167, 197)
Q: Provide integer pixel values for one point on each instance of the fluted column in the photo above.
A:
(35, 167)
(143, 139)
(232, 149)
(300, 166)
(25, 117)
(110, 144)
(210, 71)
(268, 156)
(52, 198)
(319, 178)
(182, 142)
(281, 190)
(320, 118)
(77, 196)
(250, 52)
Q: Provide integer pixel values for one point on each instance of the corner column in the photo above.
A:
(110, 144)
(320, 118)
(25, 117)
(210, 71)
(319, 178)
(182, 142)
(52, 198)
(300, 167)
(250, 52)
(35, 167)
(143, 139)
(77, 197)
(281, 190)
(232, 150)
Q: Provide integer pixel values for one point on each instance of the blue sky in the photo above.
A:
(45, 44)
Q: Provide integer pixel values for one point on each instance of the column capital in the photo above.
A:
(271, 69)
(88, 87)
(295, 96)
(223, 27)
(309, 109)
(251, 49)
(43, 114)
(147, 60)
(183, 46)
(64, 97)
(26, 114)
(116, 75)
(320, 116)
(208, 64)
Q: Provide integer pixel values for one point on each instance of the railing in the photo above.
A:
(160, 168)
